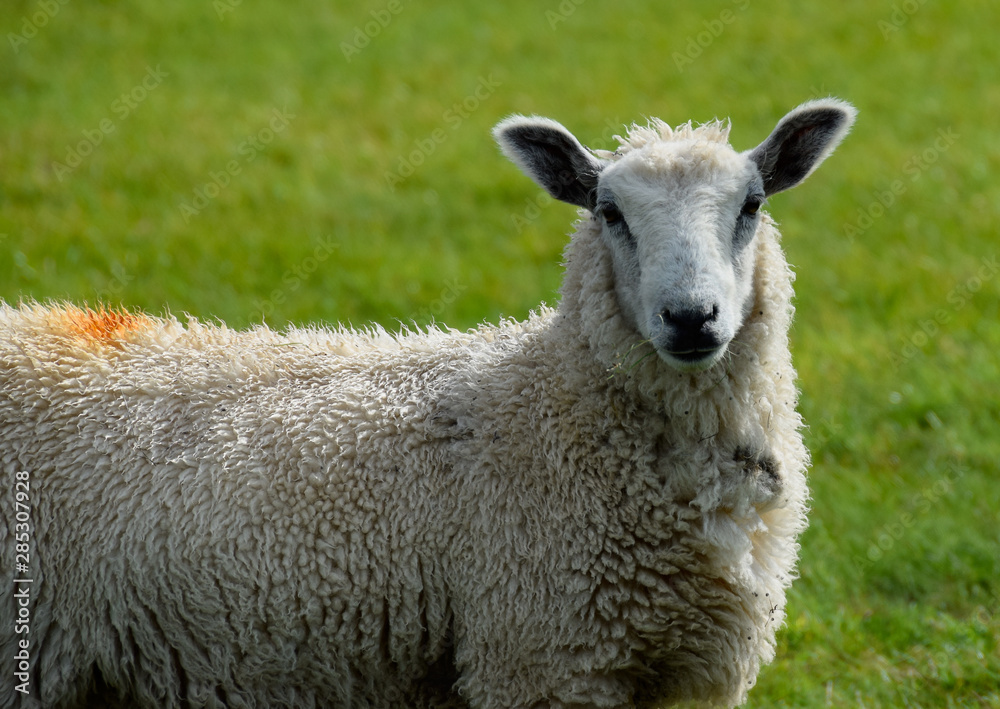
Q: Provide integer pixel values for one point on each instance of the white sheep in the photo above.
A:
(597, 507)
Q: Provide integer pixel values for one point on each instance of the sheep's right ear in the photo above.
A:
(551, 156)
(801, 141)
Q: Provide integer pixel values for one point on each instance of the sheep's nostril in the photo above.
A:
(689, 320)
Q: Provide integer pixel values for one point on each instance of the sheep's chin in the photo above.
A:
(694, 361)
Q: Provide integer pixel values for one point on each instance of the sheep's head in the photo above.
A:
(679, 212)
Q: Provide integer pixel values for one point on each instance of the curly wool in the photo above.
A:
(523, 513)
(277, 519)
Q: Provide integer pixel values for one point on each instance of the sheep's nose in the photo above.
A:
(690, 320)
(689, 328)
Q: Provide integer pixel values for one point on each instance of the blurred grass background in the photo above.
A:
(331, 162)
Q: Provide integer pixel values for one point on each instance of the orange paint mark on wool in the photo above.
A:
(103, 325)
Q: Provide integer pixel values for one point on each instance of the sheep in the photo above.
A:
(596, 507)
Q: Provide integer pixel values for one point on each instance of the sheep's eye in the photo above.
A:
(751, 206)
(611, 214)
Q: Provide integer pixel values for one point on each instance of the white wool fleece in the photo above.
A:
(321, 518)
(524, 515)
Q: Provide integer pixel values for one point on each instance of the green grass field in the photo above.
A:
(325, 162)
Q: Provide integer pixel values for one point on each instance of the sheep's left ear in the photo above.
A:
(551, 156)
(801, 141)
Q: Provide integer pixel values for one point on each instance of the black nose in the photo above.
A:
(690, 328)
(690, 319)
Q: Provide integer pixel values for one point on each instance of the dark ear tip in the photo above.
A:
(530, 127)
(835, 111)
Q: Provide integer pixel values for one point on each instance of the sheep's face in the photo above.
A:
(680, 219)
(678, 210)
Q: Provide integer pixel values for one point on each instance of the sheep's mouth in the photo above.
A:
(691, 360)
(689, 347)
